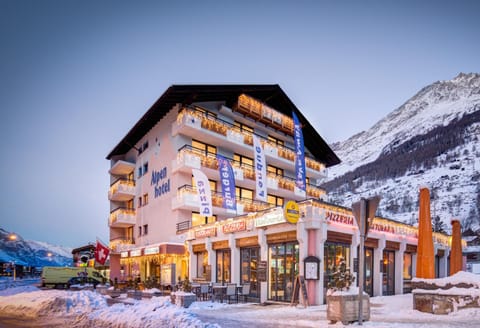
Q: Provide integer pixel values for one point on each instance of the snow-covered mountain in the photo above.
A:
(433, 140)
(32, 253)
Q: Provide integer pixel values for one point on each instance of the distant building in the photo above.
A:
(156, 228)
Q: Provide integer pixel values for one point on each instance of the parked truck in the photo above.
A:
(58, 277)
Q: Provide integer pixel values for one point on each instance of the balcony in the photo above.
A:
(122, 190)
(215, 131)
(121, 244)
(189, 157)
(187, 199)
(122, 218)
(122, 168)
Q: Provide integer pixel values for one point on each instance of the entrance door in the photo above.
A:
(388, 273)
(283, 261)
(248, 274)
(368, 286)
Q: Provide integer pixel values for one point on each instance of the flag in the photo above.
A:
(300, 172)
(101, 253)
(204, 194)
(227, 178)
(260, 170)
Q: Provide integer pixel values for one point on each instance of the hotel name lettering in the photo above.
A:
(161, 182)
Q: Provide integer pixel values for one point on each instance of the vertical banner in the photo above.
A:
(260, 170)
(300, 172)
(227, 178)
(204, 194)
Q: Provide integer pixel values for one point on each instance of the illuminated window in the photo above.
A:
(205, 112)
(213, 184)
(198, 219)
(242, 127)
(276, 141)
(274, 170)
(243, 159)
(275, 200)
(206, 148)
(145, 200)
(244, 193)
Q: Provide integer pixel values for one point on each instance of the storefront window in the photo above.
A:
(333, 253)
(223, 265)
(198, 219)
(283, 262)
(248, 274)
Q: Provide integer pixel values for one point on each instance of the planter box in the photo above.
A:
(184, 299)
(344, 308)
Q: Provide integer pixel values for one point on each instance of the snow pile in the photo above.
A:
(455, 279)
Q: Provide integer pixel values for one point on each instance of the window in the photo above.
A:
(139, 175)
(275, 170)
(244, 193)
(145, 168)
(202, 263)
(198, 219)
(208, 149)
(145, 199)
(139, 231)
(275, 200)
(243, 159)
(206, 112)
(213, 184)
(139, 201)
(276, 141)
(242, 127)
(130, 204)
(145, 229)
(143, 147)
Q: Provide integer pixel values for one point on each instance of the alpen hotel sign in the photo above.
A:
(161, 182)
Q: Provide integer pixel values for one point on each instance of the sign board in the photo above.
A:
(273, 217)
(299, 292)
(292, 211)
(262, 271)
(364, 212)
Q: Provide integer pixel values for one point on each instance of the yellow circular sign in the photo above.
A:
(292, 211)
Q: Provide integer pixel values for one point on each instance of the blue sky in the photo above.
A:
(75, 76)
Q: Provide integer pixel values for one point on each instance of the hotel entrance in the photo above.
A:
(283, 260)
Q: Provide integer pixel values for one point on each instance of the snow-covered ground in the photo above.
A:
(91, 309)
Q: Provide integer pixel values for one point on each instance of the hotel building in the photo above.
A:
(156, 228)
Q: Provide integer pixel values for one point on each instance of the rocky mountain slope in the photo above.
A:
(433, 140)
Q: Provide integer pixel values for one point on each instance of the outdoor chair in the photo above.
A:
(245, 292)
(204, 293)
(231, 292)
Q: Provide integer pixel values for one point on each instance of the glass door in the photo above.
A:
(248, 267)
(368, 282)
(283, 261)
(388, 273)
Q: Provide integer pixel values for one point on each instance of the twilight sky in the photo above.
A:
(75, 76)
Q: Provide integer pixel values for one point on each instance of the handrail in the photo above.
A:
(220, 126)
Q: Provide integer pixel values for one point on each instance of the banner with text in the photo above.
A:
(227, 178)
(300, 171)
(203, 190)
(260, 170)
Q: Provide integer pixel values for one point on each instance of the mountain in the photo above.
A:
(32, 253)
(432, 140)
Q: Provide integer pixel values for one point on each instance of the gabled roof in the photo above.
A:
(272, 95)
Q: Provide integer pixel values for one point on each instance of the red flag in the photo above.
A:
(101, 253)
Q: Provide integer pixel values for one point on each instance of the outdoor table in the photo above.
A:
(218, 292)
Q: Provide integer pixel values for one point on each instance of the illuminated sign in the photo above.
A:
(124, 254)
(151, 250)
(382, 227)
(234, 226)
(274, 217)
(209, 232)
(161, 186)
(339, 218)
(292, 211)
(137, 252)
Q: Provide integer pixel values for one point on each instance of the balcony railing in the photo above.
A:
(122, 190)
(233, 133)
(121, 244)
(209, 160)
(249, 205)
(122, 218)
